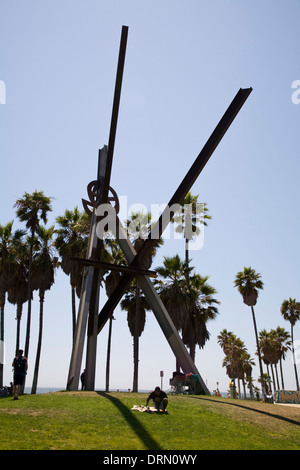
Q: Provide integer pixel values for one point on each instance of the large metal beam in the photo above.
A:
(177, 198)
(91, 347)
(89, 300)
(104, 174)
(114, 267)
(115, 113)
(82, 317)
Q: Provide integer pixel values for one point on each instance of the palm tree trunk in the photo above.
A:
(136, 363)
(239, 388)
(29, 295)
(263, 388)
(281, 373)
(277, 378)
(268, 371)
(39, 346)
(136, 342)
(294, 360)
(187, 252)
(193, 352)
(19, 316)
(108, 353)
(274, 380)
(190, 321)
(2, 303)
(244, 388)
(251, 388)
(73, 311)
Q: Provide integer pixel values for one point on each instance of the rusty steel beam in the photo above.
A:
(115, 267)
(115, 113)
(177, 198)
(101, 196)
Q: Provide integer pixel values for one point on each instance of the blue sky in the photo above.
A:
(185, 62)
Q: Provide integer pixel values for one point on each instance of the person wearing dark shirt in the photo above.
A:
(82, 378)
(20, 366)
(160, 399)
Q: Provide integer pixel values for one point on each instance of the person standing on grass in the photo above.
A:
(82, 378)
(20, 365)
(160, 399)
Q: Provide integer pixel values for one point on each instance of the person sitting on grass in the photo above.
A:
(160, 399)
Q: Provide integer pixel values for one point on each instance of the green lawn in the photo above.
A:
(91, 420)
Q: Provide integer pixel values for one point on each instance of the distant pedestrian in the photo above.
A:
(82, 378)
(10, 388)
(20, 365)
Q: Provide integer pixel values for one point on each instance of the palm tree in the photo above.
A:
(72, 241)
(245, 370)
(233, 359)
(171, 287)
(114, 255)
(249, 283)
(9, 243)
(269, 350)
(138, 228)
(281, 344)
(290, 310)
(247, 364)
(189, 218)
(31, 209)
(135, 303)
(201, 307)
(224, 339)
(237, 360)
(17, 294)
(43, 267)
(190, 303)
(284, 343)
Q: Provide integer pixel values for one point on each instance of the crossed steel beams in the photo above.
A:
(177, 198)
(89, 299)
(135, 260)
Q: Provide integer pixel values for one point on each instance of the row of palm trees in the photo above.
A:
(274, 345)
(271, 347)
(27, 264)
(29, 258)
(237, 360)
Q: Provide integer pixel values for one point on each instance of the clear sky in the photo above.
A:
(185, 62)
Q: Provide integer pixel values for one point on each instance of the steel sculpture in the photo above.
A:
(99, 193)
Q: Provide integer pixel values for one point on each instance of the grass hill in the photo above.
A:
(105, 421)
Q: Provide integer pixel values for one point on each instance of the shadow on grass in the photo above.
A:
(283, 418)
(135, 424)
